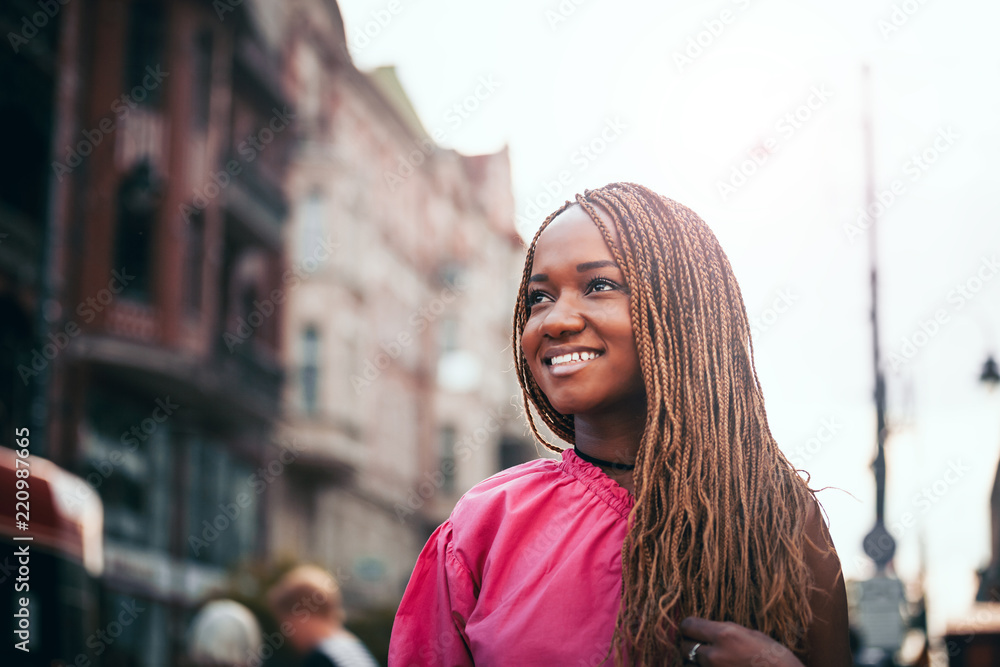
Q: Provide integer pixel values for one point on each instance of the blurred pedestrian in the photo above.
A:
(674, 528)
(223, 633)
(308, 606)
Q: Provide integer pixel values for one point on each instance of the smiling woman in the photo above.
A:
(674, 528)
(578, 338)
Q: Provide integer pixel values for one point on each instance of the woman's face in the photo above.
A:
(578, 339)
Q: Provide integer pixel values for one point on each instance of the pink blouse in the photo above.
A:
(526, 571)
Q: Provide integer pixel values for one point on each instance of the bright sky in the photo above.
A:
(677, 96)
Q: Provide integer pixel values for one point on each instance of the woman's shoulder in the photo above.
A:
(532, 491)
(509, 485)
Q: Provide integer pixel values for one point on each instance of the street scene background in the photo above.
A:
(258, 263)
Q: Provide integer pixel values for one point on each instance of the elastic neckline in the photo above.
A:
(616, 496)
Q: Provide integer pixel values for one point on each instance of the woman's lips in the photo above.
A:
(570, 367)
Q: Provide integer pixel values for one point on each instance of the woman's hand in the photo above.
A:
(732, 645)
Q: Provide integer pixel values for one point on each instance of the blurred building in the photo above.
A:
(29, 76)
(142, 217)
(247, 300)
(401, 391)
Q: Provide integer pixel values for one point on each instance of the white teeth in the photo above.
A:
(573, 356)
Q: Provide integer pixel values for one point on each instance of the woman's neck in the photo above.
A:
(612, 436)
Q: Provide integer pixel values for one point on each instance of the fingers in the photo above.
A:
(700, 629)
(703, 656)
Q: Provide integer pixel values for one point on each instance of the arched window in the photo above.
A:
(138, 199)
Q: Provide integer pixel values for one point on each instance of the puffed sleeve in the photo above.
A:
(429, 628)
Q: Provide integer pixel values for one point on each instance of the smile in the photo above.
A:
(572, 357)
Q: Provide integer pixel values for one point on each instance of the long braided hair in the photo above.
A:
(718, 523)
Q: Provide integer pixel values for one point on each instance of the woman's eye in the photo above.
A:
(534, 298)
(601, 285)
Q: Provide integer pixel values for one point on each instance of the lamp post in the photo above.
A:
(878, 544)
(989, 577)
(881, 597)
(990, 376)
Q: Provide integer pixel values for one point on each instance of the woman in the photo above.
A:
(674, 529)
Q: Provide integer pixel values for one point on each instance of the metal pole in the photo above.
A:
(878, 544)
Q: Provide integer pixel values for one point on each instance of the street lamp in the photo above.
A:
(989, 577)
(990, 376)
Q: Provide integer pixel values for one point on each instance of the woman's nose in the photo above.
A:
(563, 318)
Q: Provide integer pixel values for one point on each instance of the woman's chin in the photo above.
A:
(580, 407)
(570, 407)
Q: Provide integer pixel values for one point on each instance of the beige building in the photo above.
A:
(400, 392)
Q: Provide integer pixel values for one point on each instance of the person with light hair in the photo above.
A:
(223, 633)
(308, 606)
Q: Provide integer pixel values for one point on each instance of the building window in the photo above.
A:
(194, 260)
(218, 484)
(138, 199)
(202, 97)
(128, 458)
(147, 25)
(448, 333)
(448, 459)
(312, 223)
(310, 370)
(246, 303)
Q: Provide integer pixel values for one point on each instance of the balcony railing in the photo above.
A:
(258, 204)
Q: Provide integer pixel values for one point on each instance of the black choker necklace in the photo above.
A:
(601, 462)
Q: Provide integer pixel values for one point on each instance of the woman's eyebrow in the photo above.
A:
(585, 266)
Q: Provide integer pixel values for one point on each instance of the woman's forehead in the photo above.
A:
(572, 239)
(573, 222)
